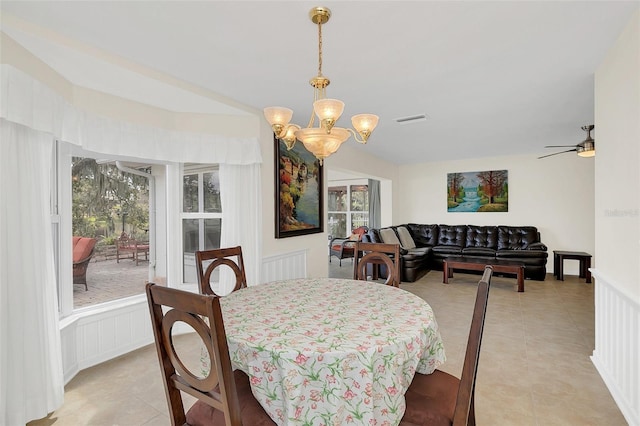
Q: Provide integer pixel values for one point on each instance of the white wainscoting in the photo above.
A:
(284, 266)
(94, 335)
(617, 351)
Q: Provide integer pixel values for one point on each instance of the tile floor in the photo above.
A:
(534, 365)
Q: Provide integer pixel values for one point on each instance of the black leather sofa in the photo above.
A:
(424, 247)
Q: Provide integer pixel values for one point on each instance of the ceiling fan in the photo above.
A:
(586, 148)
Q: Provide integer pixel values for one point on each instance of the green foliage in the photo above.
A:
(495, 207)
(102, 195)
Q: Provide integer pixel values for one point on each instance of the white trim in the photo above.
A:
(617, 349)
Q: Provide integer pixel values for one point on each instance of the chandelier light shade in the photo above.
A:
(324, 140)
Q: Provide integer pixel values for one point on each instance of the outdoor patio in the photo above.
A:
(108, 280)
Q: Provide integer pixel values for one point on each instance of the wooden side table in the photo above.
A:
(559, 257)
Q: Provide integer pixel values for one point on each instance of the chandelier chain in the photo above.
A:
(319, 48)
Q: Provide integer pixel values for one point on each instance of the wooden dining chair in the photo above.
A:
(223, 396)
(440, 398)
(219, 257)
(374, 255)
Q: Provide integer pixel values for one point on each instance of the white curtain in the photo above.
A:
(31, 377)
(27, 101)
(241, 199)
(32, 114)
(374, 204)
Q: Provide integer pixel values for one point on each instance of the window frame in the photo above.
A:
(200, 170)
(348, 211)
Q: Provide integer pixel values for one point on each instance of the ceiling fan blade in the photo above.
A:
(559, 146)
(556, 153)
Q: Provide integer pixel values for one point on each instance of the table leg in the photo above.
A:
(445, 272)
(520, 279)
(555, 265)
(560, 271)
(587, 272)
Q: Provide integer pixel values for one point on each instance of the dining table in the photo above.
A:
(327, 351)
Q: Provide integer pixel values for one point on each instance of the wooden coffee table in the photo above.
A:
(478, 264)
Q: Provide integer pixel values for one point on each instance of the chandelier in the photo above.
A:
(324, 140)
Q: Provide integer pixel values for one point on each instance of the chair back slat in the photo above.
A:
(464, 411)
(204, 315)
(376, 254)
(219, 257)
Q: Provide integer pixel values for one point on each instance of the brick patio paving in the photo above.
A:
(108, 280)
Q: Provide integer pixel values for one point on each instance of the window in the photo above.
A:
(337, 208)
(201, 215)
(91, 197)
(348, 208)
(106, 203)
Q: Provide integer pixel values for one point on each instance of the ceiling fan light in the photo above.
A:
(587, 148)
(586, 154)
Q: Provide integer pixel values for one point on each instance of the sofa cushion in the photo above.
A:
(424, 235)
(479, 251)
(417, 253)
(449, 249)
(82, 248)
(521, 254)
(482, 237)
(405, 238)
(452, 235)
(516, 237)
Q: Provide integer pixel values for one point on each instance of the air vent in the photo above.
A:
(411, 119)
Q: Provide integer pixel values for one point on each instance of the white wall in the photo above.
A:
(617, 109)
(347, 158)
(617, 221)
(554, 194)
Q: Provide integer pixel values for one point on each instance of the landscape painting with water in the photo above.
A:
(478, 191)
(298, 191)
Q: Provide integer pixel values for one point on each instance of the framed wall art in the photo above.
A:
(299, 190)
(486, 191)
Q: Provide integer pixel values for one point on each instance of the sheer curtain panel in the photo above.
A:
(374, 203)
(240, 195)
(31, 378)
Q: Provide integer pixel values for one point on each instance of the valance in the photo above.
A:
(31, 103)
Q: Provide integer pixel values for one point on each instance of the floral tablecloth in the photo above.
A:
(331, 351)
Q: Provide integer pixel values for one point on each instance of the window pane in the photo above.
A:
(359, 219)
(337, 199)
(360, 198)
(212, 229)
(212, 193)
(190, 193)
(190, 235)
(338, 225)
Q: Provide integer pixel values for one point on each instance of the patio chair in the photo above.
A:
(83, 249)
(440, 398)
(125, 245)
(342, 248)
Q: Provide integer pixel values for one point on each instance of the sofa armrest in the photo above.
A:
(537, 246)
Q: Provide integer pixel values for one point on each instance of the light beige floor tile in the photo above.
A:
(534, 364)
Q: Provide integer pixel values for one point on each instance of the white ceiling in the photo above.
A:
(494, 78)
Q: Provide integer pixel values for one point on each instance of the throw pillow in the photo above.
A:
(405, 238)
(354, 237)
(389, 236)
